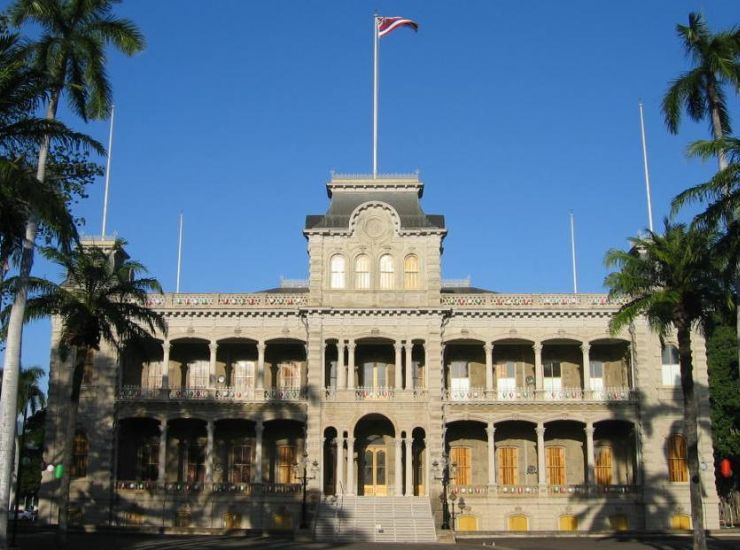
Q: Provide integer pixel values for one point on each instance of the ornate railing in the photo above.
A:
(529, 301)
(469, 490)
(479, 394)
(363, 393)
(590, 490)
(367, 393)
(517, 490)
(256, 300)
(214, 488)
(135, 393)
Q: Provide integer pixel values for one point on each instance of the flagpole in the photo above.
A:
(375, 96)
(573, 250)
(107, 172)
(179, 256)
(647, 173)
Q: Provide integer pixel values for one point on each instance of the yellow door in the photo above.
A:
(681, 521)
(518, 523)
(555, 460)
(568, 523)
(467, 523)
(619, 522)
(374, 472)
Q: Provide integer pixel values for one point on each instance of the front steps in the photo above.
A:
(375, 519)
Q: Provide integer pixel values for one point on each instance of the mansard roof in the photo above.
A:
(402, 193)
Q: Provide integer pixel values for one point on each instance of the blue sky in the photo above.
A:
(514, 113)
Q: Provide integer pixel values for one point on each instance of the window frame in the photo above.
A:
(363, 278)
(677, 458)
(337, 272)
(387, 272)
(411, 273)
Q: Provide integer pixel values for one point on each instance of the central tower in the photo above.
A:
(375, 246)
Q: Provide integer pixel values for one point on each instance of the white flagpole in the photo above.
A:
(179, 256)
(647, 173)
(375, 96)
(107, 172)
(573, 250)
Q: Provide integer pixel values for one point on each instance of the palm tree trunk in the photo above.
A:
(12, 361)
(80, 361)
(690, 413)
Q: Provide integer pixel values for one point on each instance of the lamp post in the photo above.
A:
(444, 471)
(461, 503)
(303, 465)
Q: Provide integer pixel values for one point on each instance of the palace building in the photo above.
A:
(388, 390)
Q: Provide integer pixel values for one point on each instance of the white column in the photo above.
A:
(341, 369)
(541, 474)
(590, 454)
(488, 347)
(585, 347)
(539, 375)
(491, 454)
(397, 366)
(166, 363)
(350, 489)
(351, 365)
(409, 365)
(409, 442)
(261, 365)
(212, 364)
(340, 463)
(162, 466)
(398, 469)
(209, 451)
(258, 429)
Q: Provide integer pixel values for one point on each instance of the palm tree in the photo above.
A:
(30, 399)
(22, 89)
(70, 53)
(675, 282)
(701, 90)
(103, 300)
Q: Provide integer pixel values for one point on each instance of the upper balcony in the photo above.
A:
(491, 300)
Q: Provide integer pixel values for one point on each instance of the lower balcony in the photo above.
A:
(183, 488)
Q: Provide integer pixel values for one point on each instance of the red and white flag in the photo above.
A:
(387, 25)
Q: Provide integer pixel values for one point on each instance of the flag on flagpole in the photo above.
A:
(387, 25)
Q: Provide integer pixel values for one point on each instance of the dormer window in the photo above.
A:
(411, 272)
(386, 272)
(362, 272)
(337, 271)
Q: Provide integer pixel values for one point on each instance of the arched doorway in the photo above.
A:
(376, 459)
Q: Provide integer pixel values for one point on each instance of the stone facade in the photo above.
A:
(375, 375)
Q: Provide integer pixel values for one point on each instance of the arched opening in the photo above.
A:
(377, 456)
(138, 450)
(418, 462)
(565, 455)
(330, 451)
(615, 457)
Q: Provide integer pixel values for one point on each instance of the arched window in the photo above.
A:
(386, 272)
(671, 366)
(411, 272)
(362, 272)
(678, 471)
(337, 271)
(80, 448)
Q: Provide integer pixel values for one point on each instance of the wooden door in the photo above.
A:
(604, 465)
(375, 472)
(461, 458)
(555, 459)
(508, 466)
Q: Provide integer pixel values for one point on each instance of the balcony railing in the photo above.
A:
(469, 490)
(479, 394)
(591, 490)
(135, 393)
(210, 488)
(530, 301)
(363, 393)
(218, 300)
(517, 490)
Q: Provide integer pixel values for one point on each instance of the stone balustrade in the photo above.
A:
(220, 300)
(530, 301)
(210, 488)
(135, 393)
(479, 394)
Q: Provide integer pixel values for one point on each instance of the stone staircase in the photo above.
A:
(375, 519)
